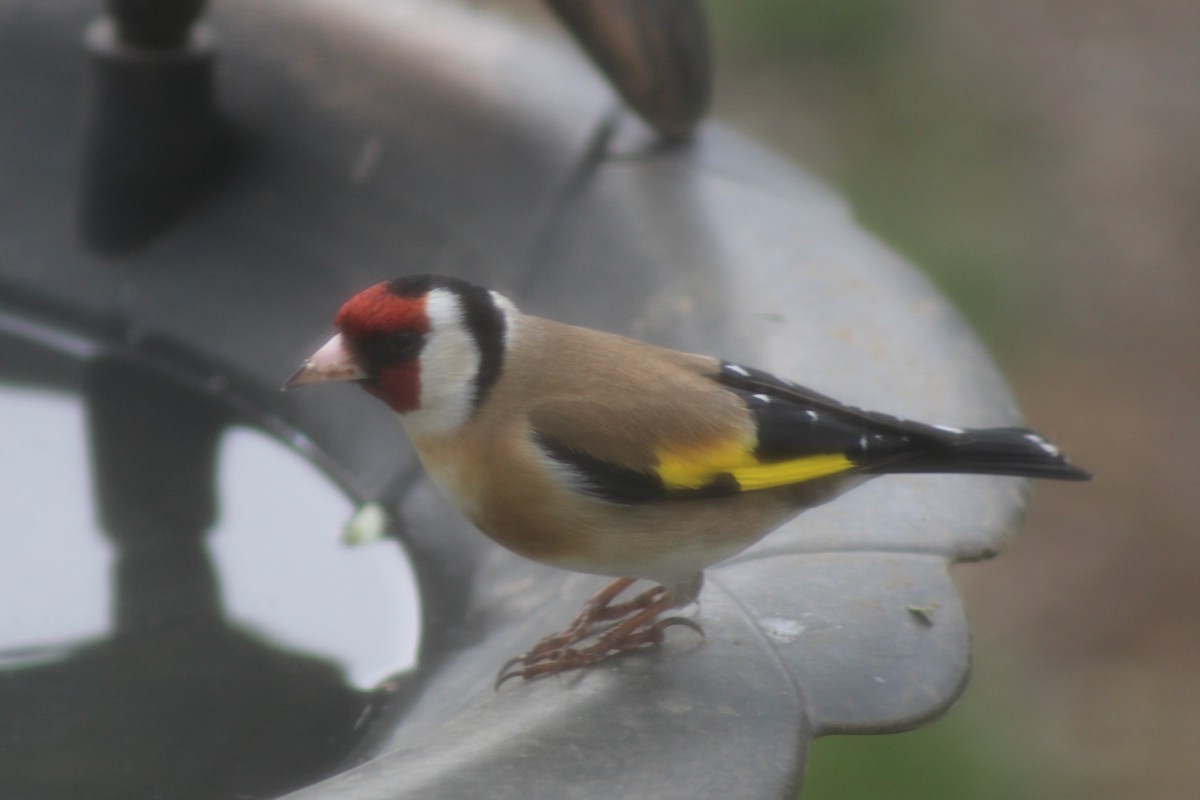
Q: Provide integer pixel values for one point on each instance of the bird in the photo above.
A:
(597, 453)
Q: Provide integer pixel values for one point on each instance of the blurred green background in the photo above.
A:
(1040, 160)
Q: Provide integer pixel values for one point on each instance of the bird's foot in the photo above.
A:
(597, 609)
(636, 624)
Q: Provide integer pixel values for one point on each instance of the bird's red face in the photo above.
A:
(428, 346)
(378, 345)
(384, 331)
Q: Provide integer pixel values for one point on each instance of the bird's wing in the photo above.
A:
(637, 447)
(736, 430)
(793, 421)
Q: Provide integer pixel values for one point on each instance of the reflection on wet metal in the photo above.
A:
(55, 565)
(178, 616)
(286, 571)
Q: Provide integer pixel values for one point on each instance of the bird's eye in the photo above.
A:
(402, 344)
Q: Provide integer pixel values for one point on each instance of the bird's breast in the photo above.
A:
(456, 476)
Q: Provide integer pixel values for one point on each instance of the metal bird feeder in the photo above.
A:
(187, 194)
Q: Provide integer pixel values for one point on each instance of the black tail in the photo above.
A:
(987, 451)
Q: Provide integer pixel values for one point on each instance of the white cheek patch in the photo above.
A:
(449, 364)
(510, 316)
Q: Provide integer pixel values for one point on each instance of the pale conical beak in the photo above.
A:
(332, 362)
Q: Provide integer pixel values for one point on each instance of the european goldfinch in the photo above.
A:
(601, 454)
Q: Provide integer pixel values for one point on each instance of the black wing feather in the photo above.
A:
(795, 421)
(603, 479)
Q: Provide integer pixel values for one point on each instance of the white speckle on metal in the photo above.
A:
(812, 415)
(736, 370)
(948, 428)
(369, 524)
(762, 398)
(366, 164)
(1048, 448)
(781, 629)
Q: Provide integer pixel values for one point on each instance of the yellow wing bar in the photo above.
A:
(785, 473)
(683, 468)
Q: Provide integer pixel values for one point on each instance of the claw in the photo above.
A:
(635, 625)
(504, 674)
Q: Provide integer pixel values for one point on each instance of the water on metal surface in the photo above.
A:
(178, 615)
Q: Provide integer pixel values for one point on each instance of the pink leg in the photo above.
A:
(637, 626)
